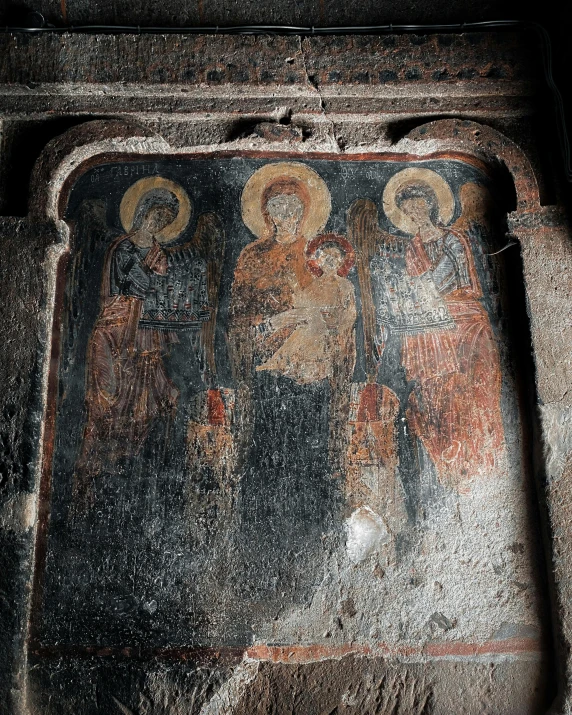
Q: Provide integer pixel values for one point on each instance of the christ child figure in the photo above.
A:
(322, 318)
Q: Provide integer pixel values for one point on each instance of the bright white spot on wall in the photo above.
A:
(366, 533)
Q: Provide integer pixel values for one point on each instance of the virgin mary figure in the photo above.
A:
(287, 494)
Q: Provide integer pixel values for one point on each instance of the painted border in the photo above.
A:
(295, 653)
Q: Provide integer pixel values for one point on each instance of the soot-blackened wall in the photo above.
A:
(272, 431)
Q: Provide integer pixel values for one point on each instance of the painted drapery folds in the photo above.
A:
(266, 363)
(426, 290)
(149, 292)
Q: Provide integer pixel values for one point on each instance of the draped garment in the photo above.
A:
(454, 408)
(127, 386)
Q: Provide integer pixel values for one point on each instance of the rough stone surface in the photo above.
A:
(364, 685)
(357, 685)
(174, 13)
(22, 313)
(49, 81)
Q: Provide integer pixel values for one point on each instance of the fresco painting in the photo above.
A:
(150, 291)
(254, 351)
(426, 290)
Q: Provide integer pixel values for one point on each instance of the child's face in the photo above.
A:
(330, 260)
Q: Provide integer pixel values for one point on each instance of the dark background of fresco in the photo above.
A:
(151, 562)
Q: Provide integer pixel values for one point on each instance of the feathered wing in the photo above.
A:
(477, 207)
(365, 234)
(92, 238)
(209, 242)
(476, 224)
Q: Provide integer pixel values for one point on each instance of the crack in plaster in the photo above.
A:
(312, 82)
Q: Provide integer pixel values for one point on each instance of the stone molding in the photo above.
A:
(325, 116)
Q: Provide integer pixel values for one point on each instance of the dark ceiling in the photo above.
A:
(285, 12)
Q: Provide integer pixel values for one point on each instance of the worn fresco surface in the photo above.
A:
(281, 385)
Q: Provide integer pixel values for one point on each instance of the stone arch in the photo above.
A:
(67, 152)
(474, 138)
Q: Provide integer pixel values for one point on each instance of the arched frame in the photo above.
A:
(539, 229)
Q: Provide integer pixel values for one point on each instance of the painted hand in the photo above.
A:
(156, 259)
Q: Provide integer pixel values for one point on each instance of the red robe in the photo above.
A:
(455, 408)
(126, 383)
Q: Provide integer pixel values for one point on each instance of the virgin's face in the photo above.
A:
(286, 212)
(418, 210)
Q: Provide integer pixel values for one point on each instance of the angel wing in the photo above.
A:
(92, 238)
(209, 243)
(479, 215)
(365, 234)
(477, 207)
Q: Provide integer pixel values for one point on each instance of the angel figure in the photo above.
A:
(425, 289)
(150, 292)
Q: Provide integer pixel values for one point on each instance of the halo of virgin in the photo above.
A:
(251, 200)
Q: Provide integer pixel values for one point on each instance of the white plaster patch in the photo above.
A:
(230, 693)
(366, 533)
(19, 513)
(557, 427)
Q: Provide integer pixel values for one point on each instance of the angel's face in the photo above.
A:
(418, 210)
(286, 212)
(157, 218)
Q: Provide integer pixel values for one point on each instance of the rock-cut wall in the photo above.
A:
(284, 377)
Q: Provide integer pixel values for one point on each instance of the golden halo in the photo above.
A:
(133, 195)
(320, 200)
(417, 175)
